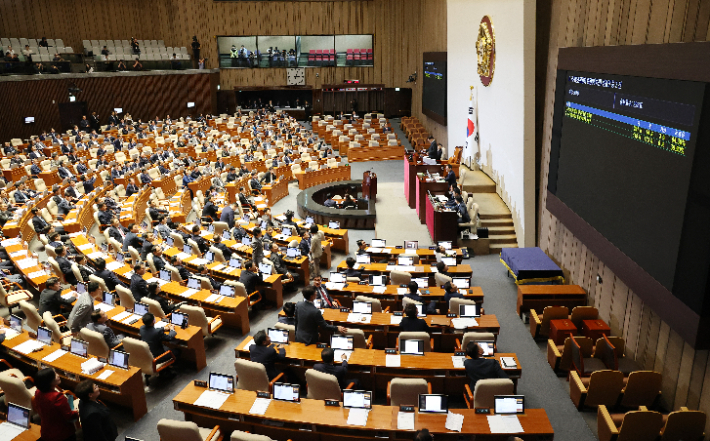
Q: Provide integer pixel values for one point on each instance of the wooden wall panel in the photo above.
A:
(686, 372)
(144, 96)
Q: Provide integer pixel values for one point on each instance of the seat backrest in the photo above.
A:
(139, 354)
(219, 227)
(400, 277)
(415, 336)
(640, 425)
(125, 296)
(618, 343)
(97, 343)
(552, 313)
(151, 263)
(174, 273)
(604, 388)
(488, 388)
(135, 255)
(475, 336)
(178, 430)
(322, 386)
(238, 435)
(195, 248)
(291, 330)
(456, 302)
(77, 273)
(359, 340)
(33, 319)
(178, 242)
(441, 279)
(153, 307)
(605, 351)
(15, 390)
(581, 313)
(116, 245)
(218, 255)
(405, 391)
(586, 346)
(684, 425)
(642, 388)
(251, 376)
(577, 357)
(52, 325)
(196, 317)
(376, 304)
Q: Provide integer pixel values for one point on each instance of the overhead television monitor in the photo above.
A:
(434, 80)
(190, 104)
(118, 109)
(29, 119)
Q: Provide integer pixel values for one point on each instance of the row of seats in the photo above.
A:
(18, 44)
(113, 45)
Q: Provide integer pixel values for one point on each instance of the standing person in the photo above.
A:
(195, 50)
(80, 315)
(96, 422)
(53, 408)
(257, 246)
(316, 251)
(309, 319)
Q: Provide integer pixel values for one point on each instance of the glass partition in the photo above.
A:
(236, 51)
(316, 50)
(277, 50)
(354, 50)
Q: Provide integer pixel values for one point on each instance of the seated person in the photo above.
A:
(289, 310)
(204, 272)
(108, 276)
(443, 268)
(410, 322)
(154, 294)
(414, 295)
(155, 338)
(329, 202)
(351, 272)
(263, 352)
(339, 372)
(249, 276)
(478, 368)
(451, 291)
(98, 324)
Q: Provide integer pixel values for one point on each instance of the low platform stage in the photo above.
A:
(362, 217)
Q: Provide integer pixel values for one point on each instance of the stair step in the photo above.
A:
(503, 238)
(497, 223)
(501, 229)
(496, 247)
(495, 215)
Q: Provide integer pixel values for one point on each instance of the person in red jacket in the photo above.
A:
(53, 407)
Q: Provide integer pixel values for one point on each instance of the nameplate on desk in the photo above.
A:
(406, 408)
(398, 247)
(451, 314)
(390, 351)
(362, 282)
(263, 395)
(459, 353)
(333, 403)
(398, 313)
(432, 248)
(484, 411)
(322, 345)
(344, 309)
(199, 383)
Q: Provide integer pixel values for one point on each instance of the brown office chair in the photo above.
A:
(252, 376)
(602, 387)
(359, 339)
(584, 366)
(486, 390)
(640, 425)
(290, 328)
(560, 356)
(625, 364)
(400, 277)
(186, 431)
(376, 304)
(642, 389)
(604, 351)
(241, 291)
(540, 325)
(197, 317)
(154, 307)
(405, 391)
(141, 357)
(581, 313)
(322, 386)
(684, 425)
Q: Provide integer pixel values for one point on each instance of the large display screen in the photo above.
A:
(621, 159)
(434, 86)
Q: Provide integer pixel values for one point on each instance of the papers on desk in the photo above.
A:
(334, 286)
(405, 420)
(111, 266)
(92, 366)
(28, 346)
(9, 431)
(26, 263)
(374, 250)
(54, 355)
(128, 274)
(249, 343)
(10, 334)
(508, 362)
(392, 360)
(105, 374)
(36, 274)
(280, 217)
(355, 317)
(458, 361)
(396, 319)
(442, 198)
(70, 295)
(86, 246)
(379, 289)
(18, 253)
(211, 399)
(260, 405)
(454, 421)
(121, 316)
(504, 424)
(8, 242)
(189, 292)
(183, 256)
(406, 268)
(358, 417)
(215, 298)
(402, 291)
(433, 269)
(218, 267)
(199, 261)
(464, 322)
(204, 232)
(160, 325)
(97, 255)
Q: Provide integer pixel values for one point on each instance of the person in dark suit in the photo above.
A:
(65, 265)
(41, 226)
(147, 245)
(158, 261)
(410, 322)
(450, 176)
(155, 212)
(478, 368)
(263, 352)
(96, 420)
(226, 251)
(255, 184)
(131, 188)
(228, 215)
(117, 231)
(432, 146)
(201, 243)
(107, 276)
(351, 271)
(463, 216)
(289, 310)
(139, 287)
(210, 210)
(51, 300)
(451, 291)
(414, 295)
(250, 276)
(104, 215)
(322, 293)
(309, 319)
(155, 338)
(339, 372)
(132, 238)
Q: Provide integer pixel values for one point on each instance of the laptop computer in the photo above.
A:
(265, 268)
(357, 399)
(120, 258)
(362, 307)
(380, 280)
(187, 249)
(445, 244)
(221, 382)
(433, 403)
(462, 282)
(309, 220)
(79, 347)
(165, 275)
(194, 283)
(336, 277)
(210, 228)
(246, 241)
(411, 244)
(469, 310)
(16, 323)
(226, 290)
(363, 259)
(140, 309)
(293, 253)
(334, 225)
(411, 347)
(278, 335)
(81, 288)
(209, 256)
(449, 261)
(246, 218)
(378, 243)
(286, 231)
(508, 404)
(235, 263)
(405, 261)
(226, 235)
(342, 344)
(109, 299)
(18, 415)
(118, 359)
(178, 319)
(422, 282)
(287, 392)
(488, 347)
(170, 241)
(44, 336)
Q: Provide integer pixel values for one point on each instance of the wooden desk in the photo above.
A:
(561, 329)
(419, 270)
(311, 420)
(423, 186)
(441, 223)
(370, 367)
(425, 255)
(123, 387)
(31, 434)
(411, 168)
(537, 297)
(383, 152)
(309, 179)
(50, 178)
(14, 174)
(595, 329)
(203, 184)
(276, 191)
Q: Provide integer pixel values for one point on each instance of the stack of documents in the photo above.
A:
(355, 317)
(504, 424)
(189, 292)
(405, 420)
(508, 362)
(464, 322)
(392, 360)
(111, 266)
(54, 355)
(358, 417)
(454, 421)
(396, 319)
(92, 366)
(334, 286)
(458, 361)
(211, 399)
(28, 346)
(9, 431)
(260, 405)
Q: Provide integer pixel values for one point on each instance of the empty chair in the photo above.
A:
(376, 304)
(584, 365)
(428, 343)
(581, 313)
(32, 317)
(456, 302)
(640, 425)
(63, 338)
(186, 431)
(252, 376)
(322, 386)
(125, 297)
(197, 317)
(486, 390)
(623, 363)
(441, 279)
(238, 435)
(642, 389)
(15, 390)
(400, 277)
(540, 325)
(602, 387)
(559, 357)
(359, 339)
(405, 391)
(683, 425)
(13, 298)
(141, 357)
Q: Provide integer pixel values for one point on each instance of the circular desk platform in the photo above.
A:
(310, 203)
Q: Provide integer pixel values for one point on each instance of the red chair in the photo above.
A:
(369, 54)
(349, 57)
(311, 57)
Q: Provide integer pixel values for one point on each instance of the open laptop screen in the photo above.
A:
(411, 244)
(333, 225)
(118, 359)
(164, 275)
(81, 287)
(405, 261)
(79, 347)
(378, 243)
(488, 347)
(449, 261)
(193, 283)
(235, 263)
(462, 282)
(278, 335)
(412, 347)
(287, 392)
(265, 268)
(109, 299)
(446, 244)
(141, 309)
(293, 253)
(363, 258)
(345, 342)
(357, 399)
(226, 290)
(362, 307)
(221, 382)
(469, 310)
(378, 280)
(508, 404)
(44, 335)
(18, 415)
(337, 277)
(422, 282)
(178, 319)
(433, 403)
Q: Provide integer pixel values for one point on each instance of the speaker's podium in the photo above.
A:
(369, 186)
